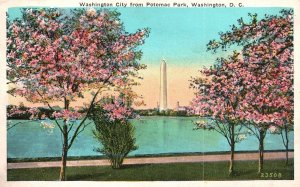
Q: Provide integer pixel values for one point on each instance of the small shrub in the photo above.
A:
(116, 137)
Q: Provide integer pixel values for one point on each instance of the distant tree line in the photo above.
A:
(25, 115)
(155, 112)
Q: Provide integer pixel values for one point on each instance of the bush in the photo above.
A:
(116, 137)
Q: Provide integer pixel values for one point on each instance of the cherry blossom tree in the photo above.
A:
(283, 132)
(62, 55)
(218, 97)
(267, 50)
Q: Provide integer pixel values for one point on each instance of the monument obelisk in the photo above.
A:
(163, 86)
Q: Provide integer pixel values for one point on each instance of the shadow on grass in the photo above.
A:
(104, 173)
(133, 166)
(84, 176)
(242, 173)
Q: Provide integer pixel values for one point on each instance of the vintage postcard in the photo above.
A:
(149, 93)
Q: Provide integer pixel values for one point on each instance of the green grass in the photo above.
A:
(245, 170)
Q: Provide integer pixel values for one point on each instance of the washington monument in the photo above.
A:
(163, 86)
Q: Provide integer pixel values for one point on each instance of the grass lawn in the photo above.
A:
(245, 170)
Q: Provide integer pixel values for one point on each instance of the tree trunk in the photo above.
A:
(65, 148)
(261, 151)
(286, 146)
(231, 159)
(232, 144)
(116, 161)
(64, 156)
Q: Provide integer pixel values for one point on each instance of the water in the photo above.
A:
(154, 135)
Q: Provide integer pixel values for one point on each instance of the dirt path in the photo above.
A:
(153, 160)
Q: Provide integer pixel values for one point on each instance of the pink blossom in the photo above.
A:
(67, 115)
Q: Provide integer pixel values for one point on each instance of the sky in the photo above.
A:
(178, 35)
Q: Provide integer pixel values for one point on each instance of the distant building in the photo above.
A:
(180, 108)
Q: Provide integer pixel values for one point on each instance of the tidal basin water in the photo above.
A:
(154, 135)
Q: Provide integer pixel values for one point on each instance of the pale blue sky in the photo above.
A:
(180, 35)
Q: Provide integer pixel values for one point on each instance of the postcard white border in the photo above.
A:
(5, 4)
